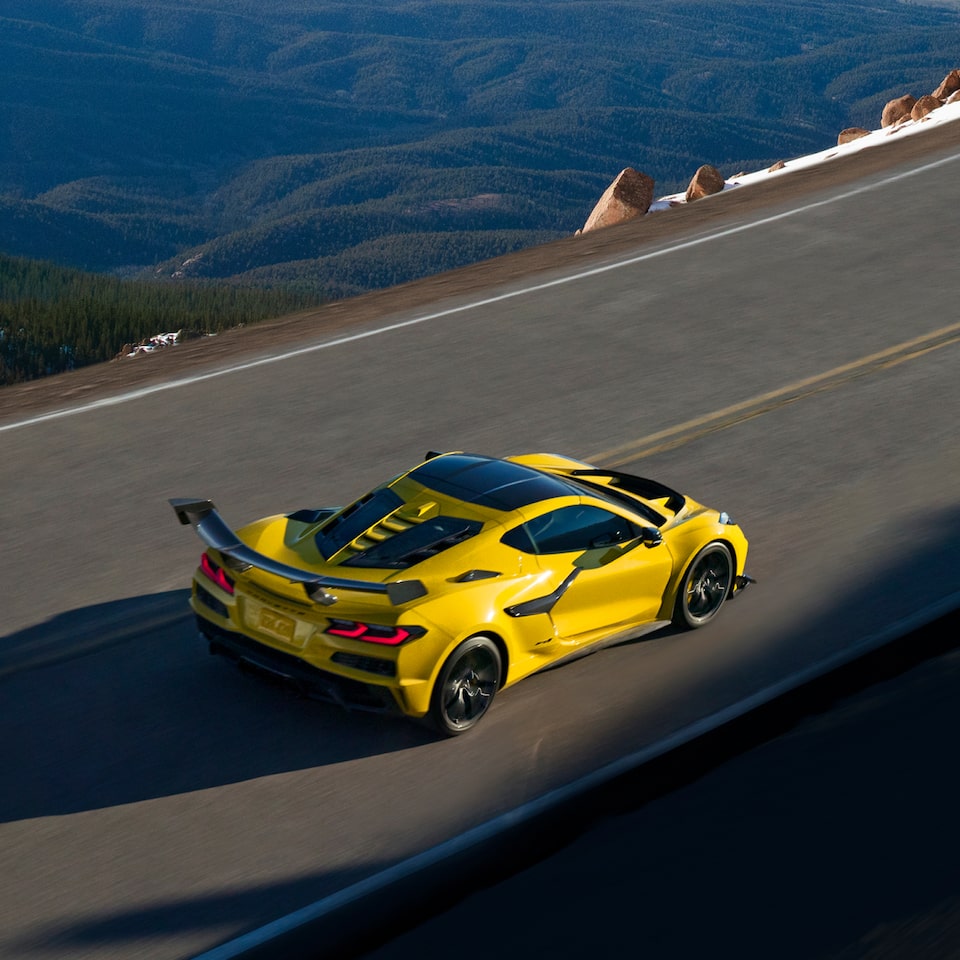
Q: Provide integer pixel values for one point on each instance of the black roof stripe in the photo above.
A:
(488, 482)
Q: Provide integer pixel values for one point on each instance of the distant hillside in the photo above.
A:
(340, 147)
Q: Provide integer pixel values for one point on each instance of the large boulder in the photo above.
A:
(851, 133)
(706, 182)
(924, 106)
(629, 196)
(951, 84)
(897, 110)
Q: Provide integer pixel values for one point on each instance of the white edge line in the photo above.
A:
(457, 845)
(473, 305)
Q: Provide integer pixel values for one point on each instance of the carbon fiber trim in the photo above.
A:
(542, 604)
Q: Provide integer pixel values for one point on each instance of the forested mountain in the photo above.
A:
(56, 318)
(343, 146)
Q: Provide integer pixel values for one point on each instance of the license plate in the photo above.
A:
(277, 625)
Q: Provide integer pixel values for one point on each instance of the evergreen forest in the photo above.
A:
(54, 319)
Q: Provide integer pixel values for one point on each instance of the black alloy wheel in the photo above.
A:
(466, 686)
(704, 587)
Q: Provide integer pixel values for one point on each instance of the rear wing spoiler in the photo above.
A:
(215, 532)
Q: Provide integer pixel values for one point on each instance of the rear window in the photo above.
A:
(356, 519)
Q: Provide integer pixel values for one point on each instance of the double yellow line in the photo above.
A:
(682, 433)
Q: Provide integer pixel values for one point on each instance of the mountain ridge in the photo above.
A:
(286, 145)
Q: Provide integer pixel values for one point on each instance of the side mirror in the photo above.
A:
(651, 537)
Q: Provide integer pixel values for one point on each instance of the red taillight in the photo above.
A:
(216, 574)
(373, 633)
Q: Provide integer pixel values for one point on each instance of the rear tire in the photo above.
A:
(704, 587)
(466, 686)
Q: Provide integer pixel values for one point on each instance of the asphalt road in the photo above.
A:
(794, 364)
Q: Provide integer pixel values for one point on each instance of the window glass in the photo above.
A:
(569, 529)
(355, 519)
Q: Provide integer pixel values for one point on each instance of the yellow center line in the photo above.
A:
(689, 430)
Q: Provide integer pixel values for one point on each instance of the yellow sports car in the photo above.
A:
(458, 578)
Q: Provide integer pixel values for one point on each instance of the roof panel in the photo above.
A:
(488, 482)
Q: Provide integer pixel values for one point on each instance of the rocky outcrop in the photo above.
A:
(631, 193)
(629, 196)
(897, 110)
(950, 85)
(925, 105)
(850, 134)
(908, 107)
(706, 182)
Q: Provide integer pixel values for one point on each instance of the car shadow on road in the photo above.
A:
(121, 702)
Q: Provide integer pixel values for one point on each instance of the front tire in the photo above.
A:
(704, 587)
(466, 686)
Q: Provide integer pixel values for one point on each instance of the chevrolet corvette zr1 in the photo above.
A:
(432, 592)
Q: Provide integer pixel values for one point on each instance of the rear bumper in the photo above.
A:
(296, 674)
